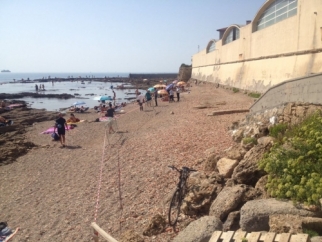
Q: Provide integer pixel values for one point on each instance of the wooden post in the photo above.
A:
(100, 231)
(95, 236)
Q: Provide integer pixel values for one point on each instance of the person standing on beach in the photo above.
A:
(110, 115)
(114, 97)
(140, 100)
(178, 90)
(36, 86)
(156, 97)
(148, 98)
(60, 126)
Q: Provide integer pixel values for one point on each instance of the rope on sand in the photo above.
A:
(100, 180)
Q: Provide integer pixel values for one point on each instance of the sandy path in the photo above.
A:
(50, 193)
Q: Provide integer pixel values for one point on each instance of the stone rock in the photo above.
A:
(232, 222)
(228, 200)
(252, 193)
(254, 215)
(199, 230)
(236, 152)
(211, 162)
(226, 167)
(285, 223)
(316, 239)
(247, 171)
(261, 185)
(238, 135)
(202, 190)
(266, 141)
(156, 225)
(131, 236)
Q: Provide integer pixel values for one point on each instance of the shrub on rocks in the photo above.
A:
(294, 165)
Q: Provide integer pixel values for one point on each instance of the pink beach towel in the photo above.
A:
(51, 130)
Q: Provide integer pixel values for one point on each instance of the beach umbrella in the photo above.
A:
(181, 84)
(151, 89)
(169, 87)
(163, 92)
(159, 86)
(97, 98)
(79, 103)
(105, 98)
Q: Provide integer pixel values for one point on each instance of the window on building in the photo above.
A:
(276, 12)
(212, 47)
(232, 35)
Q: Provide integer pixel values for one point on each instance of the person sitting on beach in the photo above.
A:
(103, 109)
(3, 104)
(5, 122)
(82, 109)
(73, 119)
(72, 109)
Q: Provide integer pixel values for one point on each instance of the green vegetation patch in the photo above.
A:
(235, 90)
(249, 140)
(294, 165)
(254, 94)
(310, 232)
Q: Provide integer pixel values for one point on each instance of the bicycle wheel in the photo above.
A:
(174, 208)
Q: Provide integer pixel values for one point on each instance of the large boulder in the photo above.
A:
(247, 171)
(226, 166)
(232, 222)
(199, 230)
(202, 190)
(254, 215)
(228, 200)
(235, 152)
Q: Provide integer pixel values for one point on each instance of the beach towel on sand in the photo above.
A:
(80, 121)
(51, 130)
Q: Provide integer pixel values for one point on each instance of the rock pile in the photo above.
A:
(230, 193)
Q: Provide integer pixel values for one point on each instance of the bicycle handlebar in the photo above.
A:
(183, 168)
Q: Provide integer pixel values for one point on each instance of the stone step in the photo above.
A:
(241, 236)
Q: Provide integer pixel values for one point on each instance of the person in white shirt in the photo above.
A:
(140, 100)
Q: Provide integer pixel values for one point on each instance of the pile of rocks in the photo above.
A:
(230, 193)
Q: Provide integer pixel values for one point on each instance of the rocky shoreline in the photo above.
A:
(13, 142)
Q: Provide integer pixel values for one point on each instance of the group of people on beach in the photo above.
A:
(41, 87)
(149, 95)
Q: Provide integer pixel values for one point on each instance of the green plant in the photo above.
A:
(278, 130)
(254, 94)
(310, 232)
(244, 239)
(235, 90)
(249, 140)
(294, 165)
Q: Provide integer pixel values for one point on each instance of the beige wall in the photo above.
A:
(257, 60)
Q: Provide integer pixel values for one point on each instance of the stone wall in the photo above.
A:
(185, 72)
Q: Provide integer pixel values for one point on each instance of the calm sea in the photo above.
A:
(11, 76)
(85, 92)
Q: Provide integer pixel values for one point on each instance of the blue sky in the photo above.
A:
(112, 36)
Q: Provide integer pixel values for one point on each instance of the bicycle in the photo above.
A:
(178, 195)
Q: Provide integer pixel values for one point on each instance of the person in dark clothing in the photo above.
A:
(60, 126)
(110, 114)
(156, 97)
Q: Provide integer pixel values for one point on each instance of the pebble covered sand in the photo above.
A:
(51, 192)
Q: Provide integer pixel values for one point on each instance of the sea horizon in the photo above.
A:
(17, 76)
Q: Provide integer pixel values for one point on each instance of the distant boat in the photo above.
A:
(5, 71)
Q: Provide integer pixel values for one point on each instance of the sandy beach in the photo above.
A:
(51, 193)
